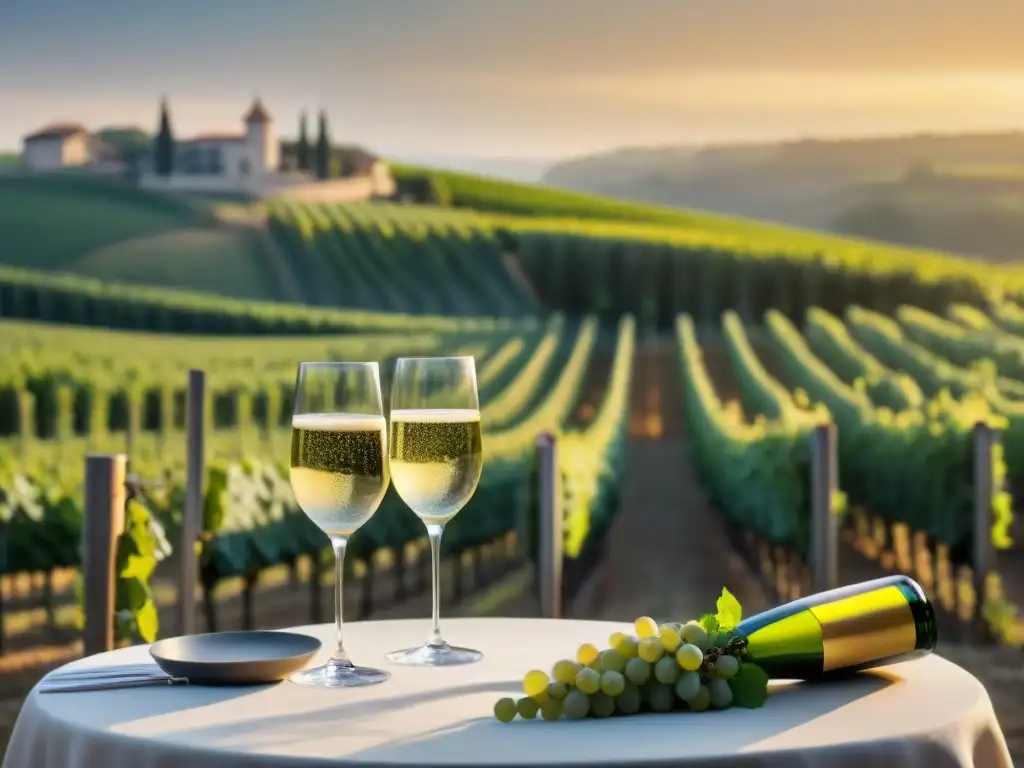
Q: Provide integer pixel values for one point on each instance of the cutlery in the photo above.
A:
(106, 684)
(102, 672)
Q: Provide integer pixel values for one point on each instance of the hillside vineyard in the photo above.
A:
(496, 250)
(904, 351)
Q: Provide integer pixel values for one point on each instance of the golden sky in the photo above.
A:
(542, 78)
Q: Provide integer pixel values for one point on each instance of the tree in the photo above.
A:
(302, 151)
(323, 150)
(163, 147)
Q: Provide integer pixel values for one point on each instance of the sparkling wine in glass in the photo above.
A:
(339, 473)
(436, 456)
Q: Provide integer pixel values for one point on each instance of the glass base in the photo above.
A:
(333, 675)
(434, 656)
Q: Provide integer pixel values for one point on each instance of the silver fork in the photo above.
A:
(108, 683)
(102, 678)
(126, 670)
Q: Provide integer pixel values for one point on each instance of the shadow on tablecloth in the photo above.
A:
(711, 738)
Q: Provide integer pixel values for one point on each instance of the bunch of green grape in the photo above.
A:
(660, 669)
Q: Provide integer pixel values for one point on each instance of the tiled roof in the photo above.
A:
(57, 131)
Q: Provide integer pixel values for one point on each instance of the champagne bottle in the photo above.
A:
(842, 630)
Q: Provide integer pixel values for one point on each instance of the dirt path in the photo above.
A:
(667, 555)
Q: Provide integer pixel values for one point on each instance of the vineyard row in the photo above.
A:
(529, 385)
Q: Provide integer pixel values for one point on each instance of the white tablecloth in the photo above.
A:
(927, 713)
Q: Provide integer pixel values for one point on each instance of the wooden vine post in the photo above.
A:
(550, 539)
(982, 552)
(195, 424)
(105, 494)
(824, 521)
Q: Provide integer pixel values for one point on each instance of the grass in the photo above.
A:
(215, 260)
(49, 222)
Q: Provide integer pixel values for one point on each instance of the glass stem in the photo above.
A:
(434, 532)
(338, 544)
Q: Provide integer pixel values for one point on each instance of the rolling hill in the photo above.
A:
(960, 193)
(463, 246)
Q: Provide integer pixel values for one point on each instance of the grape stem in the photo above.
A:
(737, 646)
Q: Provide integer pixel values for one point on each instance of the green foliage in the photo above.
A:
(580, 255)
(763, 395)
(163, 146)
(749, 686)
(757, 474)
(302, 155)
(829, 338)
(250, 519)
(322, 153)
(139, 548)
(879, 449)
(593, 458)
(729, 611)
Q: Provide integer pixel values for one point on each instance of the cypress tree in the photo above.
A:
(323, 150)
(163, 160)
(302, 151)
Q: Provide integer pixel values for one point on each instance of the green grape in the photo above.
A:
(527, 708)
(565, 671)
(595, 665)
(661, 697)
(558, 691)
(651, 649)
(611, 661)
(627, 647)
(669, 637)
(645, 627)
(587, 654)
(701, 701)
(602, 705)
(694, 634)
(576, 705)
(551, 709)
(688, 685)
(505, 710)
(719, 693)
(612, 683)
(666, 670)
(588, 680)
(726, 666)
(689, 657)
(628, 702)
(638, 671)
(535, 685)
(615, 638)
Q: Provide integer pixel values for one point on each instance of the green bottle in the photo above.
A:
(842, 630)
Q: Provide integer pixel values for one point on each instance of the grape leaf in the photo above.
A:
(729, 610)
(749, 686)
(709, 622)
(147, 622)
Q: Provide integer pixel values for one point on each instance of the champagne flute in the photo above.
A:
(339, 474)
(436, 457)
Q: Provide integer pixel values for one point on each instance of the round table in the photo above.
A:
(927, 712)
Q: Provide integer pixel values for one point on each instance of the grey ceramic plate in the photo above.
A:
(234, 658)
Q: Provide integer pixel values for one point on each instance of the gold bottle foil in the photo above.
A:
(859, 629)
